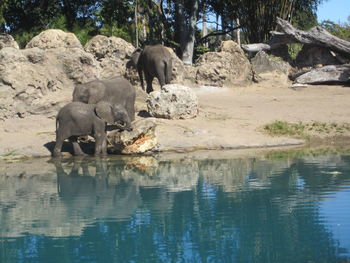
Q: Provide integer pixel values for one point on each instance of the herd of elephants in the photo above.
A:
(112, 101)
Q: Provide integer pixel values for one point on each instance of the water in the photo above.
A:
(185, 209)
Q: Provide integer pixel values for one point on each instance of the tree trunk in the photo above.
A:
(238, 32)
(187, 44)
(204, 25)
(316, 36)
(277, 40)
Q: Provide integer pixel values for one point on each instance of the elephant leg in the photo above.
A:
(99, 144)
(140, 71)
(149, 80)
(104, 145)
(160, 71)
(131, 111)
(76, 146)
(58, 146)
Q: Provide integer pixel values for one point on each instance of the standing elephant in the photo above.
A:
(79, 119)
(116, 91)
(154, 61)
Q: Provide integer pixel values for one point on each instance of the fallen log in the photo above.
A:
(317, 36)
(326, 74)
(277, 40)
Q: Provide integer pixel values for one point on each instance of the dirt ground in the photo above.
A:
(229, 118)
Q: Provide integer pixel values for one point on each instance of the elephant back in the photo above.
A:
(91, 92)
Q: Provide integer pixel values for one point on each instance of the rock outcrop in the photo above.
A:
(225, 68)
(7, 41)
(54, 38)
(112, 54)
(37, 81)
(263, 63)
(173, 101)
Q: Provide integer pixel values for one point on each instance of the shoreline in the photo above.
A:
(228, 119)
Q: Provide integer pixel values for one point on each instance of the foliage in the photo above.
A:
(285, 128)
(341, 30)
(157, 21)
(294, 49)
(306, 130)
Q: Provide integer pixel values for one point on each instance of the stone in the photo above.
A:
(111, 52)
(227, 67)
(41, 80)
(140, 140)
(173, 101)
(326, 74)
(263, 63)
(7, 41)
(54, 38)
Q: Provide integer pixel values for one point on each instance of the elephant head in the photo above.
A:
(134, 58)
(113, 114)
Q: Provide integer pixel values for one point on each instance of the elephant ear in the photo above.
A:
(137, 50)
(104, 111)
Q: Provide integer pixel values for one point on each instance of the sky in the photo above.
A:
(334, 10)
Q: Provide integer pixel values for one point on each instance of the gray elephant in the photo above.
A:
(153, 61)
(80, 119)
(116, 91)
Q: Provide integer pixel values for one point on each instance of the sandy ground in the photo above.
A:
(229, 118)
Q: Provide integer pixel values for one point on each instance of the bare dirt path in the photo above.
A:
(228, 118)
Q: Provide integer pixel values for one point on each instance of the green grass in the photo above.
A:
(284, 128)
(305, 130)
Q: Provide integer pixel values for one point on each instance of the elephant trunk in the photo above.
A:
(124, 125)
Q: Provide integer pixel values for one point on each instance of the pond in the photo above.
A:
(217, 208)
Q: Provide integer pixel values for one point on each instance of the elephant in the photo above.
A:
(116, 91)
(154, 61)
(81, 119)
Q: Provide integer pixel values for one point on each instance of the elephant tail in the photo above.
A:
(168, 71)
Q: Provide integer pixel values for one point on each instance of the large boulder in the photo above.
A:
(227, 67)
(173, 101)
(140, 140)
(54, 38)
(7, 41)
(263, 63)
(37, 81)
(111, 52)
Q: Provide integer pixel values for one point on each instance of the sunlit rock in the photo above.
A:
(140, 140)
(173, 101)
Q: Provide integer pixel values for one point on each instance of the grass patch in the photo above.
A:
(306, 130)
(285, 128)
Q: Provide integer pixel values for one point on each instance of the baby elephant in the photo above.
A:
(78, 119)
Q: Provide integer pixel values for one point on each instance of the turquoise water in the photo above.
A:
(185, 209)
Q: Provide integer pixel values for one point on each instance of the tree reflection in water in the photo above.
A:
(143, 209)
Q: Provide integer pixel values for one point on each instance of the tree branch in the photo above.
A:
(218, 33)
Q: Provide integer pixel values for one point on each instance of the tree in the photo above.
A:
(3, 6)
(341, 30)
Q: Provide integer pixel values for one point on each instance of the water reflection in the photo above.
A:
(183, 209)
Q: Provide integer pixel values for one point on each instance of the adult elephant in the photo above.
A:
(153, 61)
(116, 91)
(80, 119)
